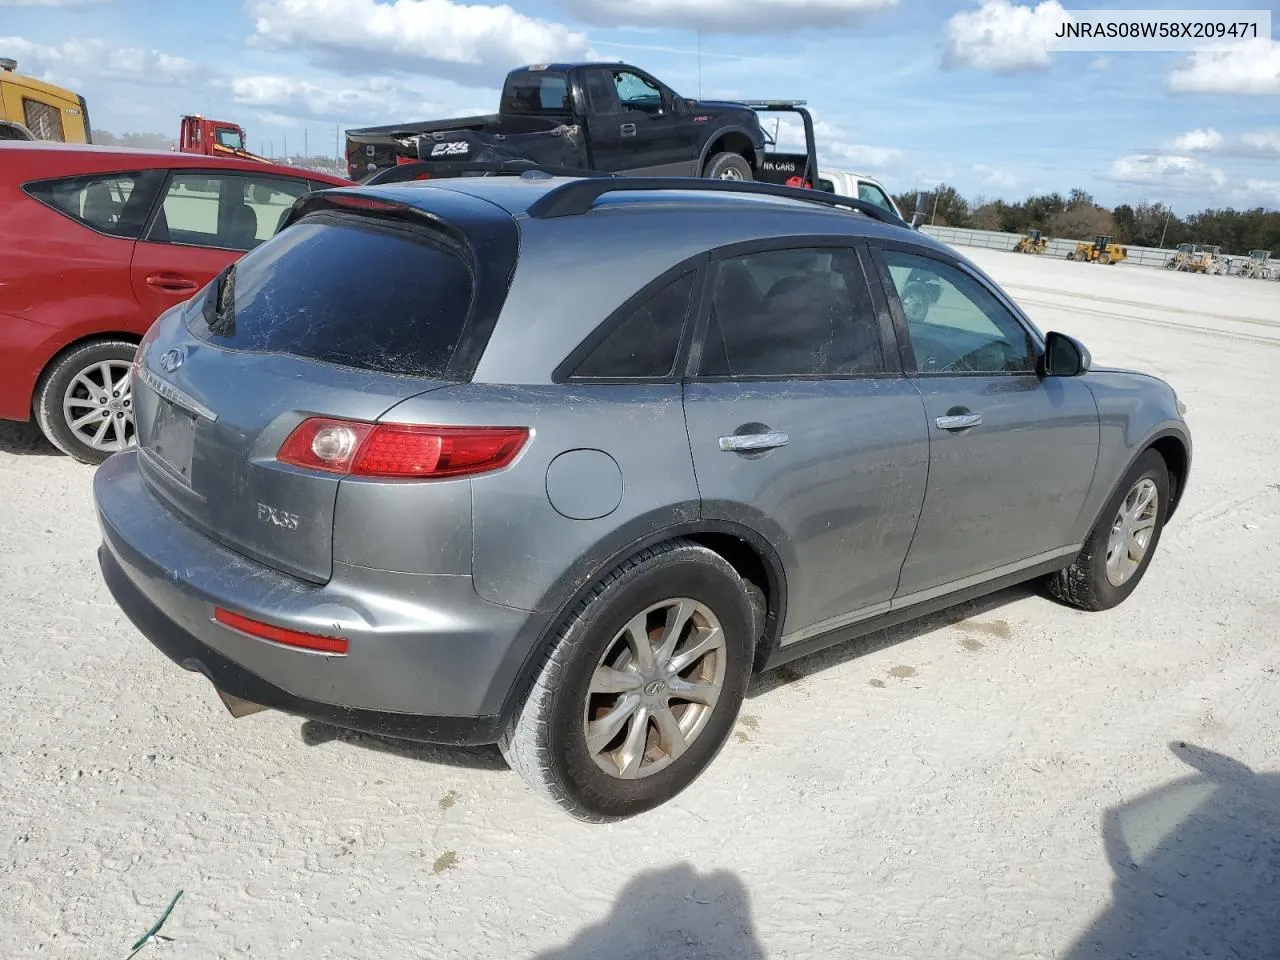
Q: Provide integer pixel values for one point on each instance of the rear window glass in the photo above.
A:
(345, 290)
(536, 93)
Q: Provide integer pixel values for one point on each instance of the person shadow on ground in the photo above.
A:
(671, 914)
(1197, 868)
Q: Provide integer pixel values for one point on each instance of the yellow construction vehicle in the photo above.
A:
(1032, 242)
(1101, 251)
(49, 112)
(1181, 259)
(1208, 259)
(1258, 266)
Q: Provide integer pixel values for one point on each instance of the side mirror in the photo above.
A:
(1065, 356)
(919, 216)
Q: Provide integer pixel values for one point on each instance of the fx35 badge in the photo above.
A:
(277, 517)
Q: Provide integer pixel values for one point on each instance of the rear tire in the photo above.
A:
(89, 386)
(595, 734)
(1116, 554)
(729, 166)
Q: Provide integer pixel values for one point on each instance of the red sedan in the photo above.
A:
(95, 243)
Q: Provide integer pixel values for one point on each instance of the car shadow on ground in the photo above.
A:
(672, 913)
(25, 439)
(797, 670)
(314, 733)
(1197, 868)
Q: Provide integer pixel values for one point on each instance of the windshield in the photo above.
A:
(231, 139)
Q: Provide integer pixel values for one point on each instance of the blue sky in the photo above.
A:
(910, 91)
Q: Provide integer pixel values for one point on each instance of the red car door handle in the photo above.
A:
(174, 284)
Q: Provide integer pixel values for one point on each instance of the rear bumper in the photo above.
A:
(428, 656)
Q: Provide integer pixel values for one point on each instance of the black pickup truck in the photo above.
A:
(601, 117)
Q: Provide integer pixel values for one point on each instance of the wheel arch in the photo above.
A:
(730, 140)
(745, 549)
(1177, 457)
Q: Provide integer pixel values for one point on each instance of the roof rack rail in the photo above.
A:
(449, 168)
(576, 197)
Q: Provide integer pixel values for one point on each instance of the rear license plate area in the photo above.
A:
(173, 434)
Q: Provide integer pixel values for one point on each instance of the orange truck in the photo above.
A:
(213, 138)
(45, 111)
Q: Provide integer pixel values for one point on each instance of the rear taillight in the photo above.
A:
(400, 450)
(290, 638)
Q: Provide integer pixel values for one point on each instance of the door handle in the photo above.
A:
(628, 129)
(171, 284)
(960, 422)
(746, 442)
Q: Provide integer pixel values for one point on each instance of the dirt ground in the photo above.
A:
(1008, 779)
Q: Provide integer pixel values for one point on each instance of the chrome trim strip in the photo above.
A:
(171, 393)
(995, 573)
(923, 596)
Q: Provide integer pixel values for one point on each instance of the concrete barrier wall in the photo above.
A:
(995, 240)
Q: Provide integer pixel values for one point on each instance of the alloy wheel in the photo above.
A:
(98, 406)
(654, 688)
(1131, 531)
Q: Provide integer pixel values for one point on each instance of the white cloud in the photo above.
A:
(837, 147)
(74, 60)
(1247, 68)
(863, 157)
(1266, 189)
(1001, 36)
(1099, 63)
(1167, 170)
(994, 177)
(726, 16)
(1207, 139)
(1262, 141)
(433, 36)
(368, 101)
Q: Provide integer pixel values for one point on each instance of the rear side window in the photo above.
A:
(347, 290)
(645, 343)
(112, 203)
(791, 313)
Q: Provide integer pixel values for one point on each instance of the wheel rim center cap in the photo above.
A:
(654, 687)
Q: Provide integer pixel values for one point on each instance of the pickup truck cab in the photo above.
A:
(603, 117)
(847, 184)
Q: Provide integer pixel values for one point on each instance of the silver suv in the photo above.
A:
(558, 463)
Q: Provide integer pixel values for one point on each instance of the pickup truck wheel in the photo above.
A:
(641, 689)
(729, 166)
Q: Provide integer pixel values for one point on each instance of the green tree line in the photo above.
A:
(1078, 217)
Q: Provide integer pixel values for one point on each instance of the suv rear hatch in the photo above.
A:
(342, 315)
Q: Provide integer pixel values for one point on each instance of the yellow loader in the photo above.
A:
(1101, 251)
(1033, 242)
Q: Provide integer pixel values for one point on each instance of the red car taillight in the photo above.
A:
(400, 450)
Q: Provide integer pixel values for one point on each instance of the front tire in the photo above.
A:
(641, 688)
(729, 166)
(1118, 550)
(84, 400)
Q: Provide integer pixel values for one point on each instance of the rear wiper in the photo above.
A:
(220, 307)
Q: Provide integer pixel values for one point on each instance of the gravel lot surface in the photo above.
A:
(1008, 779)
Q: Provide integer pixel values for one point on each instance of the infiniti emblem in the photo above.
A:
(654, 688)
(171, 360)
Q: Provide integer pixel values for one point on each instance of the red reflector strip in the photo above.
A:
(290, 638)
